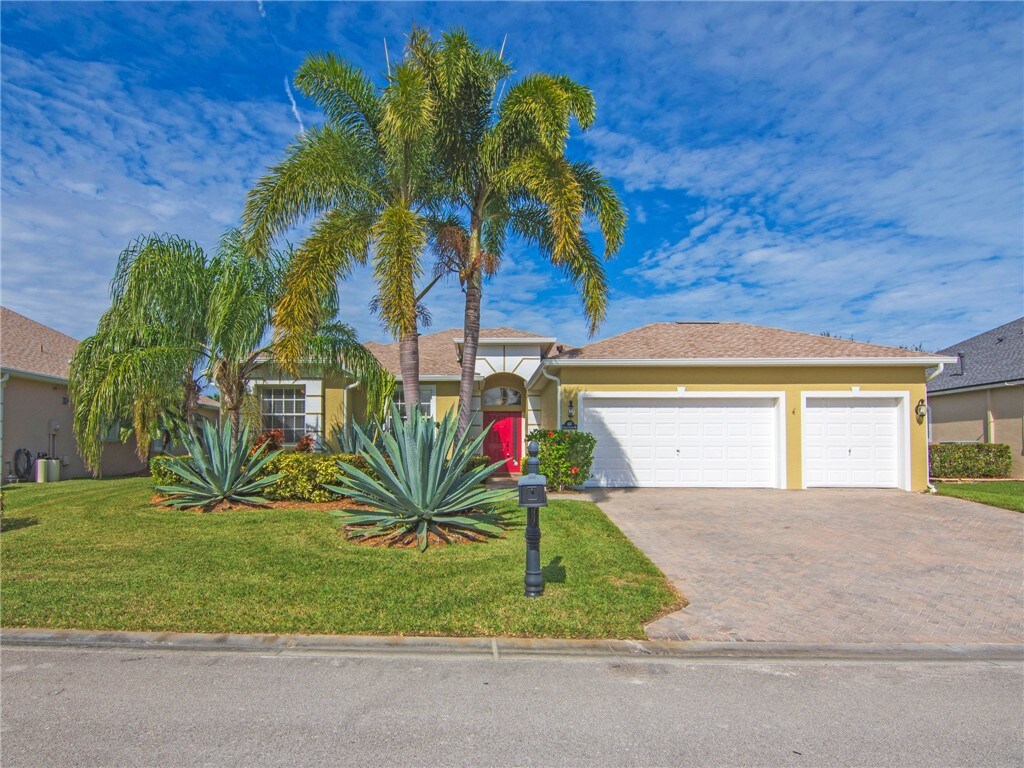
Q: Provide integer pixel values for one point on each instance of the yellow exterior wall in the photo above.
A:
(793, 381)
(447, 397)
(984, 415)
(334, 403)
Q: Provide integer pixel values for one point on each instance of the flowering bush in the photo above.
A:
(305, 445)
(273, 436)
(566, 456)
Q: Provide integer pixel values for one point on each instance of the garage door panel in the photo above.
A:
(851, 442)
(688, 442)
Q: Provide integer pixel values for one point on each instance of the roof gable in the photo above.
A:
(991, 357)
(32, 347)
(438, 351)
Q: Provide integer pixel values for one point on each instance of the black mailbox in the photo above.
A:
(532, 492)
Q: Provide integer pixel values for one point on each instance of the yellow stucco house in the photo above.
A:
(671, 404)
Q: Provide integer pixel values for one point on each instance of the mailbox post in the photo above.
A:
(532, 496)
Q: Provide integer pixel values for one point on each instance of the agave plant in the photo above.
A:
(346, 437)
(425, 485)
(218, 469)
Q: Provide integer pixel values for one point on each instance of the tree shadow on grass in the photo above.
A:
(554, 572)
(14, 523)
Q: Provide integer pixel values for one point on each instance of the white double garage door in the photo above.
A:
(730, 441)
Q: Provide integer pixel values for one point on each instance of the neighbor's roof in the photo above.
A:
(31, 347)
(725, 341)
(438, 352)
(988, 358)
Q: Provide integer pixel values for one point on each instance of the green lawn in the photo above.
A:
(94, 554)
(1008, 494)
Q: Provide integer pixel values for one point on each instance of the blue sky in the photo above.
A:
(850, 168)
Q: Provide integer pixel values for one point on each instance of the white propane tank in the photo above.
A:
(42, 471)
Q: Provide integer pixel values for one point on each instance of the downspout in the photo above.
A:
(3, 382)
(927, 443)
(558, 393)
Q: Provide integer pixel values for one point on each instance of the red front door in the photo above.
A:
(504, 440)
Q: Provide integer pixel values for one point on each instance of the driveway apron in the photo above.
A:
(829, 565)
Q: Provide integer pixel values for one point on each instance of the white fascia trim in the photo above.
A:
(446, 377)
(977, 388)
(35, 376)
(780, 413)
(538, 340)
(758, 361)
(902, 398)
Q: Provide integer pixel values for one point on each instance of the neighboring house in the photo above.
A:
(671, 404)
(979, 398)
(35, 409)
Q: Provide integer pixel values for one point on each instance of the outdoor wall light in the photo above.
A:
(921, 410)
(572, 409)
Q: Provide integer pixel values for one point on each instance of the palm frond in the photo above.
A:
(328, 166)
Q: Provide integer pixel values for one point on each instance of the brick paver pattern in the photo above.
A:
(829, 565)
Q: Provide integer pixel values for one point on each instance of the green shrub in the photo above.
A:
(303, 475)
(158, 469)
(969, 460)
(566, 456)
(478, 461)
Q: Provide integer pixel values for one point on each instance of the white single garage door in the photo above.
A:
(677, 442)
(851, 442)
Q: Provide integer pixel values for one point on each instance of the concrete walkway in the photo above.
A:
(829, 566)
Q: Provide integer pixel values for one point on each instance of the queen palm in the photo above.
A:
(505, 156)
(179, 321)
(367, 179)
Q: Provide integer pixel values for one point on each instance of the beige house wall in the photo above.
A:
(29, 406)
(994, 415)
(793, 381)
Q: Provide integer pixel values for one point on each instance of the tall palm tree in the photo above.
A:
(368, 180)
(179, 321)
(505, 155)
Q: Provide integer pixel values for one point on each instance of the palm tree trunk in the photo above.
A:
(471, 330)
(409, 363)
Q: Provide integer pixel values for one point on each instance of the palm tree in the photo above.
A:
(367, 178)
(505, 156)
(179, 321)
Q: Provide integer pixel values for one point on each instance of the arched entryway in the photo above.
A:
(503, 403)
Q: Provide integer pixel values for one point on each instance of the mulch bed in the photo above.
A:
(398, 541)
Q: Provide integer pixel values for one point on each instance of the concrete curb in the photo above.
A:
(507, 647)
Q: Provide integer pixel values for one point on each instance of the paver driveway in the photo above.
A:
(830, 565)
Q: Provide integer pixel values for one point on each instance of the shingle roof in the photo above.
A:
(682, 341)
(32, 347)
(988, 358)
(438, 355)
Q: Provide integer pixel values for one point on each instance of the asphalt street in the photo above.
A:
(89, 707)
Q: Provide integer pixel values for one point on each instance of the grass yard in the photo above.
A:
(94, 554)
(1008, 494)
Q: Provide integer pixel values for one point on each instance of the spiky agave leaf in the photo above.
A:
(218, 469)
(423, 481)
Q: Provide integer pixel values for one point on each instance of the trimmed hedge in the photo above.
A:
(566, 456)
(161, 475)
(305, 474)
(969, 460)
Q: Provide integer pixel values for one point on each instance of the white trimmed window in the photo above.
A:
(428, 399)
(284, 408)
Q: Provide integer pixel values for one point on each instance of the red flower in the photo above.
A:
(551, 434)
(575, 470)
